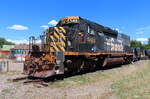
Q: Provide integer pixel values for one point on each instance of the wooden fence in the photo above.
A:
(4, 66)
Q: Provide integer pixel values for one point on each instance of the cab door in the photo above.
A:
(91, 39)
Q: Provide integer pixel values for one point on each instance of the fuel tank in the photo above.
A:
(113, 61)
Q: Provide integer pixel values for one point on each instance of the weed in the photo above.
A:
(6, 90)
(134, 86)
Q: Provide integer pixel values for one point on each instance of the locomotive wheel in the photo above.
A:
(128, 60)
(74, 66)
(77, 66)
(101, 63)
(89, 65)
(93, 65)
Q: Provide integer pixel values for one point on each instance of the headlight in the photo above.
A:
(69, 43)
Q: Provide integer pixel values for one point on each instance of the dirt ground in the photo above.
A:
(96, 85)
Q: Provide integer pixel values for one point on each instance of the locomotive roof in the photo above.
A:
(100, 28)
(95, 26)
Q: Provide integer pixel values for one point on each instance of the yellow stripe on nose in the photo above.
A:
(56, 35)
(52, 50)
(53, 38)
(63, 43)
(62, 35)
(55, 48)
(58, 39)
(62, 48)
(62, 29)
(57, 29)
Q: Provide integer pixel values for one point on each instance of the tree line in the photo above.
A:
(4, 42)
(135, 44)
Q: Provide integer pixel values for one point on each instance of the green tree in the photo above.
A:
(135, 44)
(5, 42)
(149, 42)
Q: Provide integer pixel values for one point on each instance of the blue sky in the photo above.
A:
(20, 19)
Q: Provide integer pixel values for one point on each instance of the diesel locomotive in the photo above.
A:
(76, 44)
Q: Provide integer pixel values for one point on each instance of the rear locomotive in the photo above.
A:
(137, 54)
(76, 44)
(147, 53)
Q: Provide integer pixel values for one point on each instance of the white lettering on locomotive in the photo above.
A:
(115, 44)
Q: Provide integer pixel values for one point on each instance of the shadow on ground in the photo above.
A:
(62, 76)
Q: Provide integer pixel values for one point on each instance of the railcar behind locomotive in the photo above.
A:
(147, 53)
(76, 44)
(137, 54)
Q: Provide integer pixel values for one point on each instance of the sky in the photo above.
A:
(20, 19)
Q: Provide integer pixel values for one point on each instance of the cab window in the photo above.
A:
(71, 26)
(83, 27)
(91, 31)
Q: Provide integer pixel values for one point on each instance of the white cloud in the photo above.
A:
(53, 22)
(143, 30)
(139, 32)
(38, 41)
(24, 41)
(117, 29)
(142, 39)
(18, 27)
(44, 26)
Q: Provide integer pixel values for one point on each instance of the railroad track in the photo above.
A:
(44, 82)
(27, 80)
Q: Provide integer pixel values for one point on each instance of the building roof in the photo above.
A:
(6, 47)
(21, 46)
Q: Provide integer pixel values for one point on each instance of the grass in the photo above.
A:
(136, 86)
(128, 82)
(80, 80)
(11, 87)
(5, 91)
(13, 73)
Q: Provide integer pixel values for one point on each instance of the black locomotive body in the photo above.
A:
(76, 44)
(86, 36)
(90, 45)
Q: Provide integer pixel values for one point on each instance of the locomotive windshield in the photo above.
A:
(71, 26)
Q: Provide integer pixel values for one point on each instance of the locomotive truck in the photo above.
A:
(76, 44)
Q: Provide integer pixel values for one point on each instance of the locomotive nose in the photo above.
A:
(45, 73)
